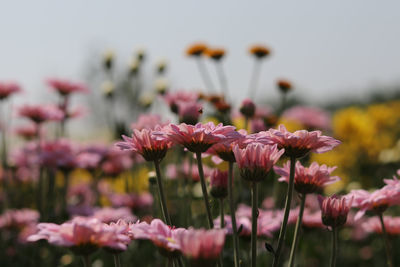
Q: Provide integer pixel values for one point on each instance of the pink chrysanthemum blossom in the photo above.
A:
(59, 154)
(373, 225)
(309, 117)
(224, 149)
(189, 112)
(334, 210)
(83, 235)
(27, 132)
(152, 147)
(18, 219)
(41, 113)
(65, 87)
(256, 160)
(219, 183)
(109, 215)
(8, 88)
(308, 179)
(88, 161)
(199, 137)
(299, 143)
(162, 236)
(201, 246)
(174, 98)
(148, 121)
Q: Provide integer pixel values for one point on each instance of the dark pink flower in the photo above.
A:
(65, 87)
(116, 162)
(8, 89)
(88, 161)
(219, 183)
(248, 108)
(308, 179)
(334, 210)
(41, 113)
(256, 160)
(224, 149)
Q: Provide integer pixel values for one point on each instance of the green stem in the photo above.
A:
(297, 230)
(204, 189)
(246, 123)
(163, 202)
(86, 261)
(334, 246)
(221, 210)
(254, 217)
(117, 260)
(233, 217)
(386, 240)
(288, 202)
(64, 194)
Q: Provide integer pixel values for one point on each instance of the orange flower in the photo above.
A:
(196, 49)
(215, 53)
(259, 51)
(284, 85)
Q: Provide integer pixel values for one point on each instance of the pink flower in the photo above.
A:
(189, 112)
(219, 183)
(248, 108)
(299, 143)
(8, 89)
(256, 160)
(199, 137)
(224, 149)
(82, 235)
(65, 87)
(88, 161)
(309, 117)
(185, 171)
(41, 113)
(334, 210)
(152, 147)
(137, 202)
(373, 225)
(109, 215)
(147, 121)
(174, 98)
(116, 162)
(28, 132)
(205, 245)
(17, 219)
(308, 180)
(312, 219)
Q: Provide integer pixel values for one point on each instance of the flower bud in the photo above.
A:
(334, 210)
(219, 184)
(248, 108)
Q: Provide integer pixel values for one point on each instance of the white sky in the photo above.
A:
(326, 49)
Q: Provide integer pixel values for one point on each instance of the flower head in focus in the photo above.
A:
(334, 210)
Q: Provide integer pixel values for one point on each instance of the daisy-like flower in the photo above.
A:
(256, 160)
(8, 89)
(151, 146)
(284, 85)
(189, 112)
(65, 87)
(224, 149)
(199, 137)
(41, 113)
(259, 51)
(215, 53)
(196, 49)
(374, 225)
(308, 179)
(309, 117)
(201, 247)
(83, 235)
(334, 210)
(299, 143)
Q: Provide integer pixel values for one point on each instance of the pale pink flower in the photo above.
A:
(109, 215)
(174, 98)
(334, 210)
(299, 143)
(28, 132)
(224, 149)
(41, 113)
(189, 112)
(309, 117)
(65, 87)
(308, 179)
(373, 225)
(256, 160)
(312, 219)
(88, 161)
(17, 219)
(80, 198)
(8, 88)
(199, 137)
(148, 121)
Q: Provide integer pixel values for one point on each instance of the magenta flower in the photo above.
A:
(148, 121)
(256, 160)
(309, 117)
(334, 210)
(308, 179)
(8, 89)
(201, 245)
(373, 225)
(65, 87)
(219, 183)
(152, 147)
(199, 137)
(41, 113)
(109, 215)
(82, 235)
(299, 143)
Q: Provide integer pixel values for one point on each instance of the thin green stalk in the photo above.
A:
(86, 261)
(164, 207)
(222, 79)
(204, 189)
(246, 123)
(254, 78)
(288, 202)
(334, 246)
(233, 217)
(221, 212)
(387, 243)
(296, 237)
(204, 75)
(64, 193)
(117, 260)
(254, 217)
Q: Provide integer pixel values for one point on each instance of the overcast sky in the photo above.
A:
(324, 48)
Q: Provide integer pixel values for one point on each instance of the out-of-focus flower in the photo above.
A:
(80, 199)
(152, 147)
(137, 202)
(310, 117)
(312, 219)
(224, 149)
(256, 160)
(161, 66)
(59, 154)
(186, 171)
(284, 85)
(189, 112)
(41, 113)
(8, 89)
(18, 219)
(196, 49)
(215, 53)
(88, 161)
(201, 246)
(199, 137)
(219, 183)
(148, 121)
(259, 51)
(116, 161)
(299, 143)
(109, 215)
(161, 86)
(28, 131)
(248, 108)
(65, 87)
(174, 98)
(308, 179)
(82, 235)
(108, 59)
(392, 225)
(334, 210)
